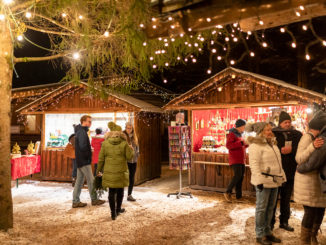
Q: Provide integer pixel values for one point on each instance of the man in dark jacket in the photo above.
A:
(83, 153)
(237, 158)
(287, 141)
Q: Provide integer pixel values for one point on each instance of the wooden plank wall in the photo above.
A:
(148, 128)
(215, 176)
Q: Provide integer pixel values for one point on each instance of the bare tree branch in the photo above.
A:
(51, 32)
(35, 59)
(54, 22)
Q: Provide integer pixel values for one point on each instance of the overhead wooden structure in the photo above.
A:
(202, 15)
(73, 99)
(232, 91)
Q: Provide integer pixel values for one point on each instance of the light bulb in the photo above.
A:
(154, 26)
(172, 26)
(144, 43)
(307, 57)
(235, 24)
(219, 26)
(189, 29)
(227, 39)
(208, 19)
(20, 38)
(297, 13)
(186, 59)
(209, 71)
(153, 19)
(166, 44)
(219, 89)
(166, 64)
(160, 39)
(194, 60)
(324, 42)
(165, 81)
(202, 39)
(189, 45)
(261, 22)
(212, 42)
(232, 62)
(28, 15)
(264, 44)
(2, 17)
(213, 32)
(293, 45)
(235, 39)
(163, 51)
(170, 18)
(106, 34)
(199, 49)
(219, 58)
(141, 26)
(76, 56)
(214, 50)
(181, 35)
(7, 1)
(304, 27)
(252, 54)
(309, 110)
(249, 33)
(178, 58)
(233, 76)
(196, 44)
(151, 58)
(282, 29)
(301, 7)
(172, 39)
(154, 66)
(80, 17)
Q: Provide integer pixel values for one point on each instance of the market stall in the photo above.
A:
(213, 107)
(63, 107)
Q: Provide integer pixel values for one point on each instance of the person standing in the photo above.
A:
(96, 145)
(83, 153)
(287, 141)
(237, 158)
(112, 164)
(132, 164)
(307, 186)
(74, 166)
(266, 175)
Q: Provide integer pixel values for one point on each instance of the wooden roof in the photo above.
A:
(270, 92)
(64, 91)
(33, 91)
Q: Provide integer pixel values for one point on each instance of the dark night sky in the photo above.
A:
(278, 61)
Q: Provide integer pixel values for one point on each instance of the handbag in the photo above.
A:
(69, 151)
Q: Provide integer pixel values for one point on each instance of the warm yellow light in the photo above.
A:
(297, 14)
(2, 17)
(106, 34)
(252, 54)
(324, 42)
(227, 39)
(141, 26)
(80, 17)
(307, 57)
(232, 62)
(154, 66)
(28, 15)
(261, 22)
(220, 89)
(7, 1)
(304, 27)
(282, 29)
(64, 15)
(209, 71)
(208, 19)
(170, 18)
(165, 81)
(293, 45)
(194, 60)
(76, 55)
(20, 38)
(144, 43)
(219, 58)
(264, 44)
(214, 50)
(301, 7)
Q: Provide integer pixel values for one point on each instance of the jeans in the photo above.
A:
(115, 199)
(132, 171)
(285, 192)
(312, 216)
(238, 170)
(95, 168)
(265, 203)
(85, 171)
(74, 168)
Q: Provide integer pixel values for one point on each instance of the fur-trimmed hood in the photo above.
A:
(259, 140)
(115, 134)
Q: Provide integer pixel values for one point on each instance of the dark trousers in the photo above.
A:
(95, 168)
(115, 199)
(312, 216)
(74, 168)
(132, 170)
(285, 192)
(238, 170)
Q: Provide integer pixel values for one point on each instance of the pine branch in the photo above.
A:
(52, 32)
(24, 5)
(35, 59)
(55, 22)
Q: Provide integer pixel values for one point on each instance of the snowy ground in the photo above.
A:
(43, 215)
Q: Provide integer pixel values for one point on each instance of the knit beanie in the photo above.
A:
(318, 121)
(239, 123)
(256, 127)
(284, 116)
(113, 127)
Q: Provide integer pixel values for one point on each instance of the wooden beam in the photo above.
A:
(229, 105)
(248, 13)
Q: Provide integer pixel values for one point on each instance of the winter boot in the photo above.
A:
(305, 236)
(122, 210)
(112, 207)
(130, 198)
(314, 234)
(263, 240)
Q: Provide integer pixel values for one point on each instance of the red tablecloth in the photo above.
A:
(24, 166)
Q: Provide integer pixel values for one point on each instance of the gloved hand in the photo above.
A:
(260, 187)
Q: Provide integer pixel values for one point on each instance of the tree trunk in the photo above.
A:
(6, 69)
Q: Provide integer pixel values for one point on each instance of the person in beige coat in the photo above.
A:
(307, 189)
(267, 175)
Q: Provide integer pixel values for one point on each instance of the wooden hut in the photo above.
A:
(63, 106)
(213, 107)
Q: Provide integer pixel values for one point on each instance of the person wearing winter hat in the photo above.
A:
(112, 165)
(237, 158)
(287, 138)
(266, 175)
(307, 185)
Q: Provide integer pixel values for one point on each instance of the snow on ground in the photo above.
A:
(43, 215)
